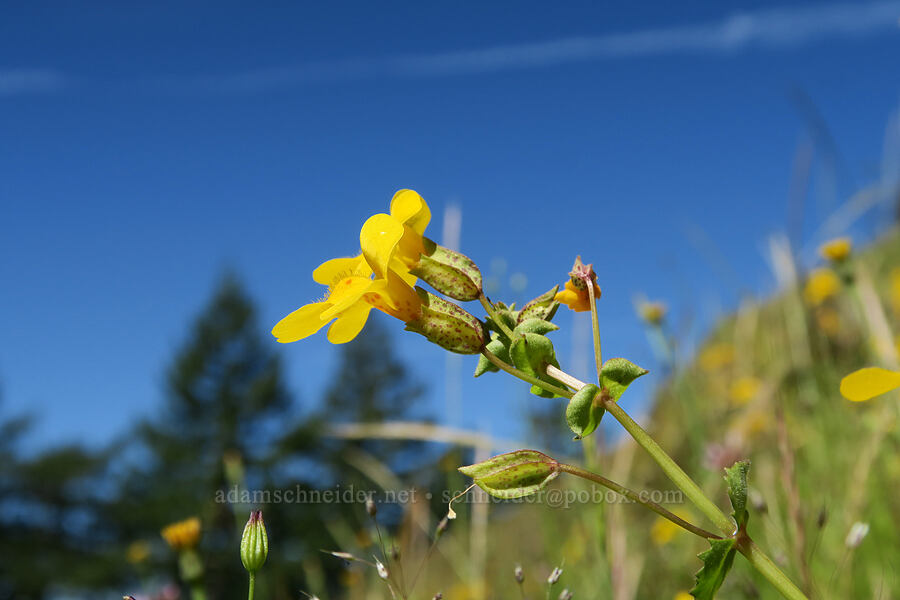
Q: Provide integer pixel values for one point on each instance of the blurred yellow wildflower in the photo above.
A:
(837, 249)
(377, 278)
(576, 295)
(664, 530)
(137, 552)
(821, 285)
(895, 290)
(828, 320)
(183, 534)
(744, 390)
(869, 382)
(716, 356)
(683, 596)
(652, 313)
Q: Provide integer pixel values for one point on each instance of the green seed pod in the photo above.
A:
(447, 325)
(449, 272)
(254, 542)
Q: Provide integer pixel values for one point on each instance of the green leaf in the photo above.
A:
(514, 474)
(717, 562)
(736, 478)
(617, 374)
(496, 347)
(538, 326)
(448, 271)
(532, 353)
(543, 307)
(582, 414)
(504, 314)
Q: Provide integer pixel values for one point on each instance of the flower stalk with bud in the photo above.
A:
(394, 254)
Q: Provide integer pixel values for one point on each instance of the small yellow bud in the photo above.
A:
(837, 249)
(182, 535)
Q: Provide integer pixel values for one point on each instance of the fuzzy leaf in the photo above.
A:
(582, 415)
(736, 478)
(514, 474)
(717, 562)
(543, 307)
(617, 374)
(538, 326)
(497, 348)
(532, 353)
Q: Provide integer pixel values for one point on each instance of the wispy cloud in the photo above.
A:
(774, 28)
(14, 82)
(766, 29)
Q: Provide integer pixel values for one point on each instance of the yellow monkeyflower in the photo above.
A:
(137, 552)
(663, 530)
(837, 249)
(377, 278)
(821, 285)
(895, 290)
(576, 295)
(744, 390)
(394, 241)
(183, 534)
(716, 357)
(828, 320)
(869, 382)
(652, 312)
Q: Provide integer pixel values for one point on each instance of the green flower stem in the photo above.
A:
(562, 376)
(769, 570)
(252, 587)
(595, 326)
(525, 376)
(489, 308)
(635, 497)
(751, 551)
(671, 469)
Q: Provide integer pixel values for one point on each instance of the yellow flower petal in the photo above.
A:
(869, 382)
(378, 238)
(301, 323)
(821, 285)
(333, 270)
(344, 293)
(349, 323)
(410, 208)
(836, 249)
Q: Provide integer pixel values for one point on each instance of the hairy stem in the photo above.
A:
(489, 308)
(525, 376)
(595, 326)
(670, 468)
(635, 497)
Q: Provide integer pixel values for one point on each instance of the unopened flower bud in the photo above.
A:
(371, 509)
(438, 596)
(447, 325)
(856, 535)
(254, 542)
(382, 570)
(652, 313)
(449, 272)
(554, 575)
(519, 575)
(565, 594)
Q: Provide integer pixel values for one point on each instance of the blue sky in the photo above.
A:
(146, 149)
